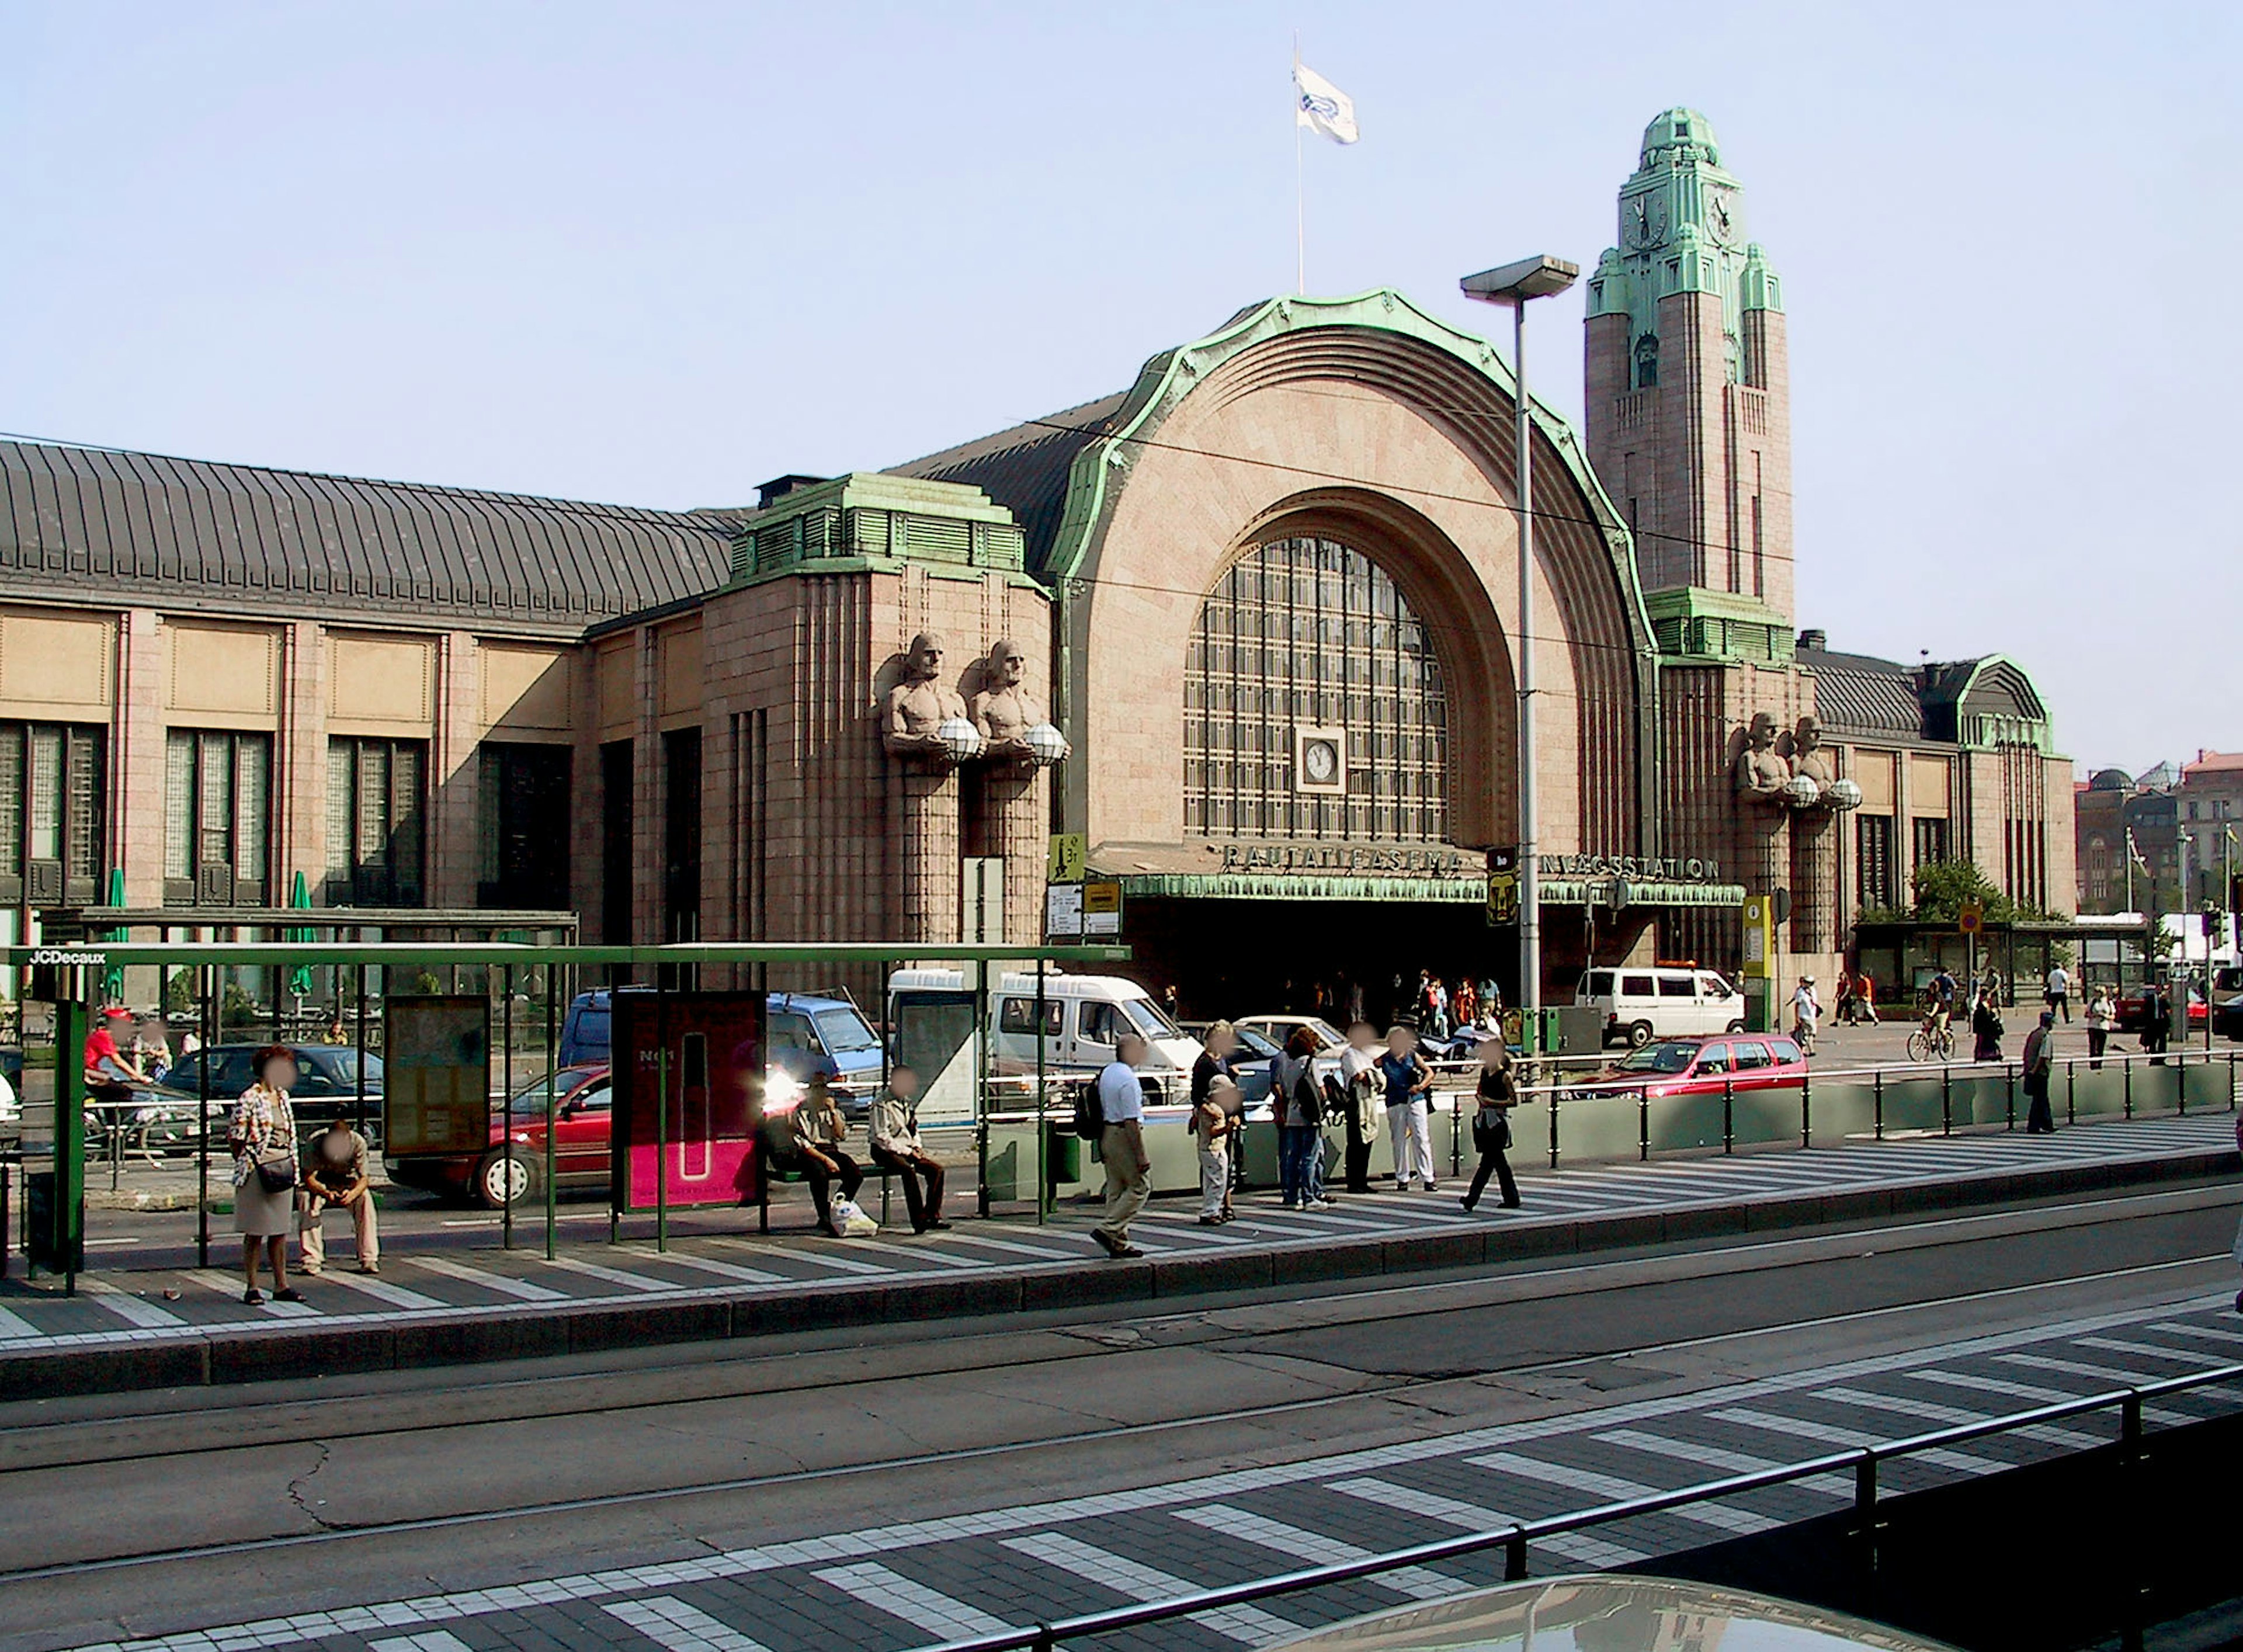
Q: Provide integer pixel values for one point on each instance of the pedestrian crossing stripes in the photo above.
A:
(931, 1578)
(1134, 1581)
(677, 1625)
(485, 1280)
(924, 1610)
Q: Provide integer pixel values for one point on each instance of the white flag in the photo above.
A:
(1323, 107)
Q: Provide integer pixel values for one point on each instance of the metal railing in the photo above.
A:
(1516, 1540)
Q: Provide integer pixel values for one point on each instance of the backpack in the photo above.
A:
(1089, 1113)
(1308, 1101)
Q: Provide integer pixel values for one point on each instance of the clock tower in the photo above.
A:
(1689, 401)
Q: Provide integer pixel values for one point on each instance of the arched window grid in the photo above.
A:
(1305, 633)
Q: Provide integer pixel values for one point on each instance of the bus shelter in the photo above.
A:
(472, 1032)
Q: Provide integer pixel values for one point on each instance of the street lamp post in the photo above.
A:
(1514, 285)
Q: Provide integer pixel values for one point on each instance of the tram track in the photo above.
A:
(1208, 1331)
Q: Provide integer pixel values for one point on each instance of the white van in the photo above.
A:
(1083, 1015)
(1643, 1003)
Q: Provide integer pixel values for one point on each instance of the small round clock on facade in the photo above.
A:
(1320, 760)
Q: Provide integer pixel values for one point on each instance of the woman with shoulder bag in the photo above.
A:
(262, 1138)
(1294, 1102)
(1497, 1094)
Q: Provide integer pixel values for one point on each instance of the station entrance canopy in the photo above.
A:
(1296, 871)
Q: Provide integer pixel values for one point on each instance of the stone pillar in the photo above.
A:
(1013, 795)
(923, 805)
(1763, 846)
(1814, 879)
(135, 781)
(299, 777)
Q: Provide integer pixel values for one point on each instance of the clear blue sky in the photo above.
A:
(657, 253)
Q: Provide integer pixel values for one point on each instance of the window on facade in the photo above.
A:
(522, 826)
(1309, 633)
(1874, 886)
(616, 843)
(681, 834)
(51, 791)
(1931, 843)
(377, 805)
(218, 818)
(1647, 362)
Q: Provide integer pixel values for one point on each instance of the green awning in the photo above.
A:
(1469, 891)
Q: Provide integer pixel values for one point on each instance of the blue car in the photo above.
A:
(807, 1034)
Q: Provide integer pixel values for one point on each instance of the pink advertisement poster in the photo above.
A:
(696, 1145)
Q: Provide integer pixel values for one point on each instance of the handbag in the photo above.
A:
(1490, 1130)
(276, 1173)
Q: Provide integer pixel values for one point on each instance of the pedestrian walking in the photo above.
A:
(820, 1127)
(897, 1148)
(1496, 1093)
(1865, 997)
(2059, 991)
(1985, 1029)
(1299, 1111)
(1406, 1080)
(2102, 1012)
(337, 1178)
(1358, 1078)
(1210, 1127)
(1806, 1014)
(262, 1138)
(2157, 1023)
(2039, 1059)
(1122, 1144)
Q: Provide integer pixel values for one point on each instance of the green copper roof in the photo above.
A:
(871, 518)
(1682, 230)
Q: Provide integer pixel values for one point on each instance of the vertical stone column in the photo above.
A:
(923, 807)
(135, 779)
(1763, 846)
(299, 781)
(1814, 879)
(456, 778)
(1014, 797)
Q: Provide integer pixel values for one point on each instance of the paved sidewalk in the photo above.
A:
(140, 1329)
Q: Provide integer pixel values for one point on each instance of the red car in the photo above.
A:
(584, 1104)
(1703, 1065)
(2133, 1012)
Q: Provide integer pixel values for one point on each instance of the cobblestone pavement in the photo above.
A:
(899, 1584)
(149, 1305)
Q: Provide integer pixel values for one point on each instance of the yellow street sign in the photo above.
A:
(1972, 918)
(1069, 850)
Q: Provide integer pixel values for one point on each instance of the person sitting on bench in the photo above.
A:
(820, 1128)
(896, 1147)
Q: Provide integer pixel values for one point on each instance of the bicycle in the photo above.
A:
(1931, 1042)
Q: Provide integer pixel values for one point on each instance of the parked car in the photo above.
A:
(1665, 1000)
(1278, 1028)
(1266, 1035)
(326, 1088)
(2133, 1008)
(1705, 1066)
(584, 1112)
(807, 1034)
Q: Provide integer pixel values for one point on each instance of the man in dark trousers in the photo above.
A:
(2039, 1060)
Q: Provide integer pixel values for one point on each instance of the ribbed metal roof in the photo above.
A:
(1861, 694)
(145, 526)
(1026, 468)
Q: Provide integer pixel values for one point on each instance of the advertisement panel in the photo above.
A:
(436, 1093)
(696, 1145)
(934, 1038)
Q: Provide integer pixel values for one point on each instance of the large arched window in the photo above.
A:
(1301, 635)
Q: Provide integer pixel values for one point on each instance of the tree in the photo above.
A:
(1945, 887)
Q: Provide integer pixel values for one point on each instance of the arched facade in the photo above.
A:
(1365, 423)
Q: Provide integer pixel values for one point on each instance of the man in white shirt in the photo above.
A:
(2059, 991)
(1806, 1012)
(1358, 1079)
(1121, 1144)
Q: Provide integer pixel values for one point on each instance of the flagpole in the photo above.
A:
(1300, 185)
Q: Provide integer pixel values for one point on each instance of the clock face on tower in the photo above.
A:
(1721, 217)
(1643, 222)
